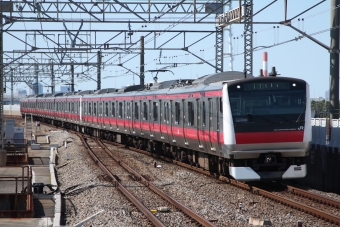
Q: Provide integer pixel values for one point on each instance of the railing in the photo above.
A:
(16, 197)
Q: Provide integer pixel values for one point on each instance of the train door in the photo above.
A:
(205, 125)
(184, 125)
(149, 122)
(210, 122)
(89, 114)
(120, 124)
(106, 114)
(145, 115)
(199, 124)
(172, 122)
(155, 125)
(114, 115)
(177, 124)
(109, 115)
(133, 115)
(128, 112)
(136, 119)
(163, 120)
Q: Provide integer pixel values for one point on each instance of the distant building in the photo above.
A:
(40, 88)
(327, 95)
(64, 88)
(20, 92)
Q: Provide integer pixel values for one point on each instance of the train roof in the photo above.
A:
(206, 82)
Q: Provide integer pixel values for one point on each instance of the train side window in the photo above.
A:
(120, 110)
(106, 109)
(113, 109)
(90, 108)
(191, 113)
(145, 111)
(136, 111)
(155, 111)
(203, 114)
(177, 112)
(94, 108)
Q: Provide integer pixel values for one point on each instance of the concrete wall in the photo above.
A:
(12, 110)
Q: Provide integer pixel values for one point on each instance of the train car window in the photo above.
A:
(94, 108)
(155, 111)
(191, 113)
(90, 109)
(203, 114)
(113, 109)
(145, 111)
(120, 110)
(177, 112)
(136, 111)
(106, 109)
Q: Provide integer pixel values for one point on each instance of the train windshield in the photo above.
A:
(268, 102)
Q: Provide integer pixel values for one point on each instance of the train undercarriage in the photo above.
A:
(269, 165)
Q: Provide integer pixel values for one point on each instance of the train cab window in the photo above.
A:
(120, 110)
(113, 109)
(106, 109)
(145, 111)
(94, 108)
(177, 112)
(155, 111)
(191, 113)
(136, 111)
(203, 114)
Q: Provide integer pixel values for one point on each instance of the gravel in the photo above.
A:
(216, 201)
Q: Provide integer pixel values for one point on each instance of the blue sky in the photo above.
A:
(302, 59)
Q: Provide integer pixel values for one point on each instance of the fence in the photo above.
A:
(323, 162)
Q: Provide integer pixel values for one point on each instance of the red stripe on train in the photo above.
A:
(269, 137)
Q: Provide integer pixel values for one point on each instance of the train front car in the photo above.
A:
(267, 128)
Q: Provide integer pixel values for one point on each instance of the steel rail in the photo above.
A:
(318, 198)
(125, 192)
(180, 206)
(305, 208)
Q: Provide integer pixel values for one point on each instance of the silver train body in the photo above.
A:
(250, 128)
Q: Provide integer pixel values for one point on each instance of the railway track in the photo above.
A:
(110, 164)
(312, 210)
(321, 212)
